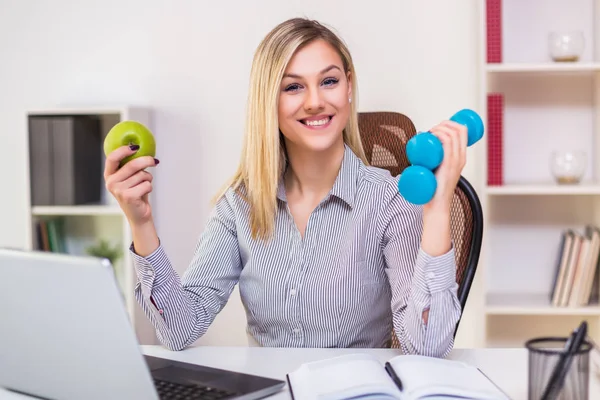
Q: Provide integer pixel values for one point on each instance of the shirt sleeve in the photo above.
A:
(419, 281)
(182, 309)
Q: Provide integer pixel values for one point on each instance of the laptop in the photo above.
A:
(65, 334)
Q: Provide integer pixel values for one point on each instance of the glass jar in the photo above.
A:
(566, 46)
(568, 167)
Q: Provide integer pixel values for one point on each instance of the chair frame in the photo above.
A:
(464, 287)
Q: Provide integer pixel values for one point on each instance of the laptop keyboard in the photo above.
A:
(177, 391)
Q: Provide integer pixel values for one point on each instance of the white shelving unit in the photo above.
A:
(84, 225)
(548, 106)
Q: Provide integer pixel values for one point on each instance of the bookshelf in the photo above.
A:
(534, 106)
(60, 147)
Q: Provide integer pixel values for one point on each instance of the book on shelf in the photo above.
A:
(403, 377)
(65, 160)
(495, 139)
(50, 235)
(493, 19)
(577, 271)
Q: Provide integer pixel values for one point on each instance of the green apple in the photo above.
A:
(126, 133)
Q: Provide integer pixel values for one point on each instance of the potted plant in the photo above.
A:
(103, 249)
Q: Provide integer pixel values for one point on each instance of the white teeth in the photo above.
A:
(317, 123)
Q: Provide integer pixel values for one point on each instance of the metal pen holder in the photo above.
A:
(544, 354)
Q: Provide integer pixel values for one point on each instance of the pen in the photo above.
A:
(393, 375)
(556, 381)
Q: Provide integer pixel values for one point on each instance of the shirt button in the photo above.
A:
(160, 312)
(431, 275)
(296, 331)
(293, 292)
(150, 273)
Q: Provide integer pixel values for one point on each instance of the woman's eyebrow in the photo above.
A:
(329, 68)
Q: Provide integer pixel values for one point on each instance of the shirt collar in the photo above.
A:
(345, 183)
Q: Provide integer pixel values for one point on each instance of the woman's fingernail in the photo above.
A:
(134, 146)
(156, 161)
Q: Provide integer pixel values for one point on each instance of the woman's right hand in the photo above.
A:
(131, 183)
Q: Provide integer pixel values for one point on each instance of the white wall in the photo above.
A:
(190, 61)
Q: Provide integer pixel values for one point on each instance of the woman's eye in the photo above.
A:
(292, 87)
(330, 81)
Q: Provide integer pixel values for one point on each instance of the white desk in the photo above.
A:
(506, 367)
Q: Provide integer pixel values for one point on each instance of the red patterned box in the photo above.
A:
(495, 128)
(494, 31)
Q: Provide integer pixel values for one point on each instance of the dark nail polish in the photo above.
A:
(134, 146)
(156, 161)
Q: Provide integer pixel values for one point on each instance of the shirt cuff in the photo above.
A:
(153, 270)
(435, 274)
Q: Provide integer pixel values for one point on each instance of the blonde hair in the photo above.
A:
(263, 158)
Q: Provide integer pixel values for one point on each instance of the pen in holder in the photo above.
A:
(559, 367)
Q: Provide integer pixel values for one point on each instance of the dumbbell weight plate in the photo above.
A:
(417, 184)
(425, 149)
(473, 122)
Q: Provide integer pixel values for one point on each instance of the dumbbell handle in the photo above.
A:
(426, 150)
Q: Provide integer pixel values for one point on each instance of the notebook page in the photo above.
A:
(342, 377)
(422, 375)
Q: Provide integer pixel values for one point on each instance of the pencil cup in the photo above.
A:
(544, 354)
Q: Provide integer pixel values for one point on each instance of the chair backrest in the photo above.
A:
(384, 136)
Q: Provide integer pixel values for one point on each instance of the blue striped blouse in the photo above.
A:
(358, 273)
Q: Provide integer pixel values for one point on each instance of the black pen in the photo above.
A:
(556, 381)
(393, 375)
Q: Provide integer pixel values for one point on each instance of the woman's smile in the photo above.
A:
(317, 122)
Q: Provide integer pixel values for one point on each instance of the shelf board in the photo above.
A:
(543, 67)
(531, 304)
(544, 189)
(88, 210)
(85, 110)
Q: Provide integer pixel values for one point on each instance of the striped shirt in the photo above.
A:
(357, 273)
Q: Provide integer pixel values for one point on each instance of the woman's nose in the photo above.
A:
(314, 99)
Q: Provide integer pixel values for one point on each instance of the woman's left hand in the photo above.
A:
(454, 142)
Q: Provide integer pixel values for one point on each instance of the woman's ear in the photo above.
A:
(349, 79)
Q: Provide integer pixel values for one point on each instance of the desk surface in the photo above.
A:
(506, 367)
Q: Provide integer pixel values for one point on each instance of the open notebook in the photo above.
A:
(405, 377)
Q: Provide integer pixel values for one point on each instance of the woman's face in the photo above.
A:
(314, 101)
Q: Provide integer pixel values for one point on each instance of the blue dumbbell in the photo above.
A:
(417, 183)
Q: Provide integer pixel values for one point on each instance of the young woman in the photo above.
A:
(325, 250)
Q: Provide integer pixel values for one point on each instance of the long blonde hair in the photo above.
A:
(263, 157)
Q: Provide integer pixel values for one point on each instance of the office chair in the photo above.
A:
(384, 136)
